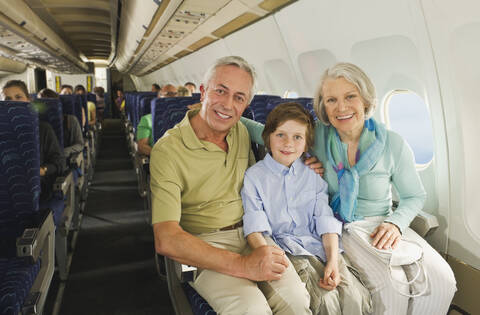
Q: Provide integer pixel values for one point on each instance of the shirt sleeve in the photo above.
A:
(325, 221)
(254, 217)
(165, 186)
(255, 130)
(143, 129)
(408, 185)
(76, 131)
(53, 157)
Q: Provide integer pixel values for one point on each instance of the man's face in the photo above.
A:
(66, 91)
(190, 87)
(15, 93)
(168, 91)
(225, 98)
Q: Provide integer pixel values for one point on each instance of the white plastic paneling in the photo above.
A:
(259, 44)
(445, 20)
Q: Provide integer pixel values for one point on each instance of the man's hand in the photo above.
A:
(265, 263)
(385, 236)
(42, 171)
(331, 276)
(315, 165)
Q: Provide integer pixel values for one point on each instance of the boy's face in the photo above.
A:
(288, 142)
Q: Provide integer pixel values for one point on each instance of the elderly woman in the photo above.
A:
(362, 161)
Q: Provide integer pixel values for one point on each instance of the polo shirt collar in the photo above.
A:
(189, 136)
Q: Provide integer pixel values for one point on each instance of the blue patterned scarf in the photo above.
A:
(370, 149)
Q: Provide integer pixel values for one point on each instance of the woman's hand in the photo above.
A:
(385, 236)
(331, 276)
(315, 165)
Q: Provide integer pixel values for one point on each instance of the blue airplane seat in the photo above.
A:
(16, 278)
(197, 302)
(50, 110)
(167, 112)
(80, 101)
(91, 97)
(196, 96)
(20, 215)
(259, 106)
(68, 106)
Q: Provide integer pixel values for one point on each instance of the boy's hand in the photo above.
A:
(315, 165)
(331, 276)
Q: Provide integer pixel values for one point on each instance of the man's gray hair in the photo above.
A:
(352, 74)
(232, 61)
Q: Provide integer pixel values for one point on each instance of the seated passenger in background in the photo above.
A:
(66, 89)
(119, 100)
(80, 90)
(100, 94)
(155, 88)
(52, 161)
(285, 200)
(197, 171)
(167, 90)
(72, 133)
(144, 128)
(183, 91)
(191, 86)
(145, 135)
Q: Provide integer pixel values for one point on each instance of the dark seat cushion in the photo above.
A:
(16, 278)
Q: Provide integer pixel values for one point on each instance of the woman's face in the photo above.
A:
(344, 106)
(14, 93)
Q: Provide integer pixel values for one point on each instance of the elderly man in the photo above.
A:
(167, 90)
(197, 172)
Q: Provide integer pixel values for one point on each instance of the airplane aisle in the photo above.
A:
(113, 269)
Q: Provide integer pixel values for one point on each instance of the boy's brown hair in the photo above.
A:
(289, 111)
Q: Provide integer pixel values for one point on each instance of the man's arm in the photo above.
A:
(144, 146)
(263, 264)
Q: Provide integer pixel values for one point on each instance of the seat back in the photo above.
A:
(50, 111)
(167, 112)
(19, 171)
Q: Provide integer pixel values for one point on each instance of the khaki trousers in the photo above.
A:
(349, 297)
(231, 295)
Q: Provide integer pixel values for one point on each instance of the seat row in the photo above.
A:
(33, 234)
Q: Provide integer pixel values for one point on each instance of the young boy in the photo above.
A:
(286, 201)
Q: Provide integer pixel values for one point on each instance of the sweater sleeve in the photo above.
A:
(406, 181)
(52, 156)
(76, 136)
(255, 130)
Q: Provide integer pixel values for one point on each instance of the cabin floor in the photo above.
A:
(113, 269)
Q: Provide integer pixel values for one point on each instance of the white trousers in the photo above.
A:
(386, 300)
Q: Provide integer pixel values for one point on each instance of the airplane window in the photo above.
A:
(101, 77)
(407, 114)
(290, 94)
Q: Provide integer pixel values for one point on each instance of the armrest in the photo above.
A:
(177, 294)
(32, 241)
(145, 162)
(424, 224)
(63, 183)
(75, 159)
(185, 273)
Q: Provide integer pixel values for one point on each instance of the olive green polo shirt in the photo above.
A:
(196, 183)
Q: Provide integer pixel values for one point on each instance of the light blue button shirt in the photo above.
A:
(290, 205)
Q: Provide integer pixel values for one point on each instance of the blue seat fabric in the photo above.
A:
(197, 302)
(19, 198)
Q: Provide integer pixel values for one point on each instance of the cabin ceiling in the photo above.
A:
(178, 28)
(85, 25)
(62, 35)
